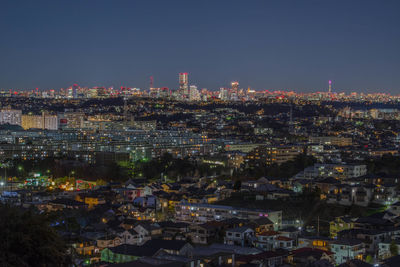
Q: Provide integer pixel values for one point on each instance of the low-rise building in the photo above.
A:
(198, 212)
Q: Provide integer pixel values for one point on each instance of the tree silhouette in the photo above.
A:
(28, 240)
(393, 249)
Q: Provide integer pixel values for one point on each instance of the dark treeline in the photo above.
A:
(55, 167)
(257, 169)
(171, 168)
(175, 169)
(387, 164)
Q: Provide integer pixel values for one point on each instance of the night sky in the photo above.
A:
(264, 44)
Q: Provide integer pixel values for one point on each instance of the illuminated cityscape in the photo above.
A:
(231, 133)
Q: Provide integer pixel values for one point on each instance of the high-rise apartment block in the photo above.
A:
(10, 116)
(44, 121)
(184, 84)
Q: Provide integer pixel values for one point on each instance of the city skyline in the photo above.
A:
(200, 133)
(271, 45)
(330, 88)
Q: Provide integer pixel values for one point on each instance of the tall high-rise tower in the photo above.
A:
(235, 86)
(330, 86)
(234, 90)
(184, 83)
(75, 88)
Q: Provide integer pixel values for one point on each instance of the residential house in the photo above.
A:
(127, 253)
(84, 246)
(147, 231)
(339, 224)
(172, 230)
(304, 257)
(347, 250)
(370, 237)
(131, 237)
(205, 233)
(385, 248)
(317, 242)
(261, 224)
(385, 194)
(266, 258)
(240, 236)
(90, 199)
(109, 241)
(283, 242)
(395, 208)
(266, 240)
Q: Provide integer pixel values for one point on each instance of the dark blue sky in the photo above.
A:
(274, 44)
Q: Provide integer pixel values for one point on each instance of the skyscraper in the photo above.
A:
(235, 86)
(184, 84)
(194, 93)
(223, 94)
(75, 91)
(234, 90)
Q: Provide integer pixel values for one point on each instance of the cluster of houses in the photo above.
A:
(180, 224)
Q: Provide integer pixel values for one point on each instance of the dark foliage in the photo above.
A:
(28, 240)
(387, 164)
(257, 169)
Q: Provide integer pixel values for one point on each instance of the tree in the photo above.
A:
(393, 249)
(28, 240)
(237, 185)
(369, 259)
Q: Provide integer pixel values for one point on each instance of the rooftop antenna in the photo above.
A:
(151, 82)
